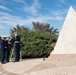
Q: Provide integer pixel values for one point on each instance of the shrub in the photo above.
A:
(35, 43)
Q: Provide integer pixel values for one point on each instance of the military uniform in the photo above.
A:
(0, 43)
(16, 41)
(0, 47)
(4, 51)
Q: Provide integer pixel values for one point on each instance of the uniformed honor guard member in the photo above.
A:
(0, 46)
(4, 50)
(9, 46)
(16, 41)
(0, 43)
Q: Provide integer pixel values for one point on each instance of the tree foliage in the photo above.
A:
(17, 29)
(35, 43)
(44, 27)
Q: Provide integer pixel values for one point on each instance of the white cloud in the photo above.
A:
(20, 1)
(33, 8)
(5, 8)
(8, 21)
(46, 18)
(62, 1)
(60, 13)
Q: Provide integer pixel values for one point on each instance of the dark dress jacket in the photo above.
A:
(16, 41)
(4, 44)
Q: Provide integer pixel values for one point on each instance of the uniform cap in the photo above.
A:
(3, 36)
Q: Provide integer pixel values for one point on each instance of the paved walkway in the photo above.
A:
(4, 72)
(39, 67)
(16, 68)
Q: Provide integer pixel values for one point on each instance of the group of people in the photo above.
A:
(5, 48)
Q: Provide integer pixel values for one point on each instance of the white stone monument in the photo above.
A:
(66, 43)
(65, 48)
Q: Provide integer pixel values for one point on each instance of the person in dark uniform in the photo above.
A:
(9, 45)
(16, 41)
(4, 50)
(0, 46)
(0, 43)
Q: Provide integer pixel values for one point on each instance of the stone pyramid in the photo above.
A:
(66, 43)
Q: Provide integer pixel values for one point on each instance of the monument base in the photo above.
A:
(61, 57)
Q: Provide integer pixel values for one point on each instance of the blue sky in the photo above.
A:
(22, 12)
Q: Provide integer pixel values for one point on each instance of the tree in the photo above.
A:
(35, 43)
(17, 29)
(44, 27)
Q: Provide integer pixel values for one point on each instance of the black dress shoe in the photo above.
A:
(15, 61)
(7, 61)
